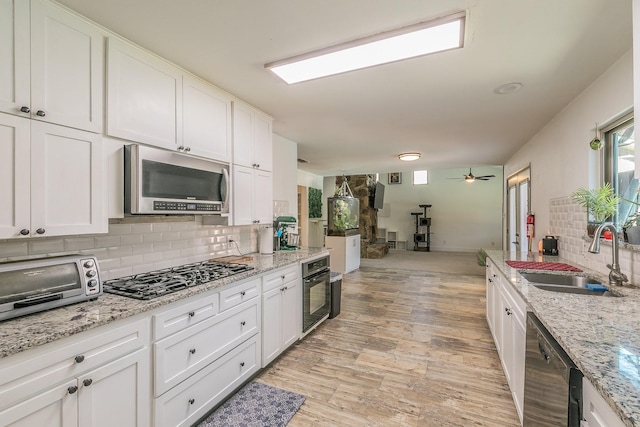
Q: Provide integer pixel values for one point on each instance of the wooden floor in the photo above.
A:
(409, 348)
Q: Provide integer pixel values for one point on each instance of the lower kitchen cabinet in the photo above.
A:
(595, 410)
(345, 253)
(96, 379)
(190, 400)
(281, 312)
(506, 316)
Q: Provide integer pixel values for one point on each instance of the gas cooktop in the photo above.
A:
(157, 283)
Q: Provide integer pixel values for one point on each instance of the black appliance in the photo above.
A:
(552, 382)
(549, 245)
(157, 283)
(316, 292)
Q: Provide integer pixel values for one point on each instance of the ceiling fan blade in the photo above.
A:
(485, 176)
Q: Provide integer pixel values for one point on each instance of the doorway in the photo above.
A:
(303, 215)
(518, 207)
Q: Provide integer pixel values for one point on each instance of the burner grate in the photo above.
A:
(157, 283)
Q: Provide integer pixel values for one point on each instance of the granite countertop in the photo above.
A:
(600, 334)
(30, 331)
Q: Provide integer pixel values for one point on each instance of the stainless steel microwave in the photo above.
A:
(33, 285)
(166, 182)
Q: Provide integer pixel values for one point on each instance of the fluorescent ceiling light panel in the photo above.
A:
(408, 42)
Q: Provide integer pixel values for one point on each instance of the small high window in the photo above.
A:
(619, 166)
(420, 177)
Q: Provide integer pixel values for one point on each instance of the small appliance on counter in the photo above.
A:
(286, 233)
(37, 284)
(265, 239)
(550, 245)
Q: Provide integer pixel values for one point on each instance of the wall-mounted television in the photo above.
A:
(378, 196)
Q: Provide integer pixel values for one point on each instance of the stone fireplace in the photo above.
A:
(363, 187)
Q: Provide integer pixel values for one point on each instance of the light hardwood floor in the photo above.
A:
(409, 348)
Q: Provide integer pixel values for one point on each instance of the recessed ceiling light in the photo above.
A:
(409, 42)
(508, 88)
(409, 157)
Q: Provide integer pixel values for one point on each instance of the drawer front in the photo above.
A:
(26, 373)
(182, 354)
(280, 277)
(176, 319)
(515, 301)
(238, 294)
(192, 399)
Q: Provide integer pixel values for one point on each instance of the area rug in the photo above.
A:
(256, 405)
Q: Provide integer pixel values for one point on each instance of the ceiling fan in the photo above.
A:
(470, 177)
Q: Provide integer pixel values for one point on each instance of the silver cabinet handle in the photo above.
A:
(40, 231)
(24, 231)
(87, 382)
(72, 389)
(25, 109)
(79, 358)
(192, 351)
(40, 113)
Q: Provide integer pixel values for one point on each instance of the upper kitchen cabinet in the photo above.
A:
(54, 71)
(144, 96)
(51, 180)
(206, 120)
(252, 138)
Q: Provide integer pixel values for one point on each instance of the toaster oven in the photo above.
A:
(32, 285)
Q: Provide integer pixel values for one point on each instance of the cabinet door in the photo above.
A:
(14, 56)
(595, 409)
(263, 197)
(242, 195)
(242, 135)
(56, 407)
(206, 120)
(14, 176)
(67, 63)
(271, 325)
(142, 96)
(352, 261)
(262, 142)
(490, 295)
(66, 181)
(117, 394)
(291, 313)
(519, 342)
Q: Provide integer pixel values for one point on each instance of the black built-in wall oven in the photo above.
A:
(316, 292)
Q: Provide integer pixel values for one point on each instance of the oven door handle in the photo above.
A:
(314, 277)
(37, 301)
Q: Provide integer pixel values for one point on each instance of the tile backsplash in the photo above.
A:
(139, 247)
(568, 221)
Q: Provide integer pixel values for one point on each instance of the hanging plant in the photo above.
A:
(315, 203)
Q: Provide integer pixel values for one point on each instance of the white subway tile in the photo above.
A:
(152, 237)
(120, 229)
(131, 239)
(168, 236)
(159, 227)
(142, 248)
(161, 246)
(153, 257)
(141, 228)
(132, 260)
(120, 251)
(120, 272)
(78, 243)
(14, 249)
(43, 246)
(179, 244)
(107, 241)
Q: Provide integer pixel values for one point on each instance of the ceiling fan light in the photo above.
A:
(409, 157)
(469, 179)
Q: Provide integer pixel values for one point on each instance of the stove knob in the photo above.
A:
(91, 273)
(88, 263)
(92, 283)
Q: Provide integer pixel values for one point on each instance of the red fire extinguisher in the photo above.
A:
(531, 220)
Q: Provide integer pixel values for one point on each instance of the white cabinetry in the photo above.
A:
(100, 380)
(596, 412)
(506, 316)
(206, 120)
(52, 180)
(281, 312)
(345, 253)
(207, 347)
(252, 196)
(143, 93)
(54, 72)
(252, 137)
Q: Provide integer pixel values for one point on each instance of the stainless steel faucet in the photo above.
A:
(616, 277)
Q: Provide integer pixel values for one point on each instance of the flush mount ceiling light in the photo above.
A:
(508, 88)
(409, 157)
(438, 35)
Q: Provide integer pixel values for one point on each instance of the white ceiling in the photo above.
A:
(441, 105)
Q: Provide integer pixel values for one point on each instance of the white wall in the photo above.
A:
(560, 157)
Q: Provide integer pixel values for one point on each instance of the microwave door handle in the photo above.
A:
(225, 173)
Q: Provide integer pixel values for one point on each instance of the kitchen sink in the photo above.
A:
(570, 284)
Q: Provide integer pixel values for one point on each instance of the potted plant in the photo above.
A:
(601, 203)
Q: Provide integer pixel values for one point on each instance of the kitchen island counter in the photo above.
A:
(23, 333)
(600, 334)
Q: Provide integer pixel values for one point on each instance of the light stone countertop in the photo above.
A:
(33, 330)
(600, 334)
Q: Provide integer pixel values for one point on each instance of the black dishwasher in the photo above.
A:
(552, 382)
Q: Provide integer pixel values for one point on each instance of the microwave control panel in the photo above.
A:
(186, 206)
